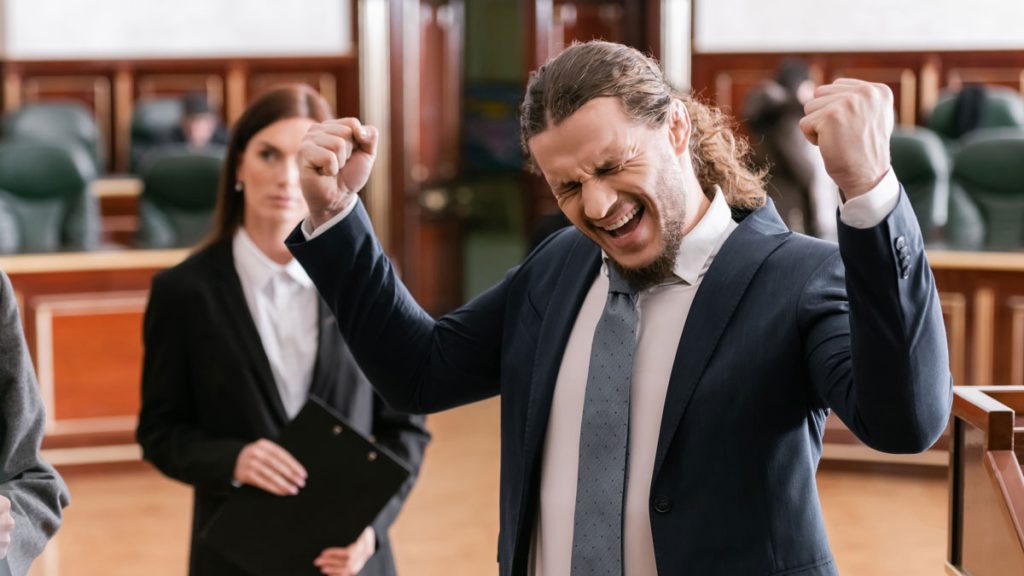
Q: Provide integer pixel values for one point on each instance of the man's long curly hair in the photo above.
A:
(598, 69)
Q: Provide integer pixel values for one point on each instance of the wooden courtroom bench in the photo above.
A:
(986, 527)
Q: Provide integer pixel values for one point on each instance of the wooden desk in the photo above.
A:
(82, 314)
(986, 521)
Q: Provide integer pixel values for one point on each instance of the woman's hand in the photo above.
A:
(348, 561)
(269, 467)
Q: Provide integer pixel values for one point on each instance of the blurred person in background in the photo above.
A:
(200, 125)
(804, 194)
(237, 339)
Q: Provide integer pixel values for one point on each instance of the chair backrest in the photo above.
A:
(989, 168)
(153, 123)
(178, 197)
(1002, 108)
(57, 122)
(920, 162)
(45, 195)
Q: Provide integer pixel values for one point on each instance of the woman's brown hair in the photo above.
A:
(282, 103)
(599, 69)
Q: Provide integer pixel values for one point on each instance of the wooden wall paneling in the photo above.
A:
(89, 351)
(433, 153)
(124, 86)
(924, 74)
(92, 90)
(954, 312)
(1016, 305)
(326, 83)
(174, 84)
(437, 154)
(1012, 77)
(731, 87)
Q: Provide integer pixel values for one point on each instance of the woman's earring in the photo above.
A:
(239, 187)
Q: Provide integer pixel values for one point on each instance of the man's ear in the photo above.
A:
(678, 127)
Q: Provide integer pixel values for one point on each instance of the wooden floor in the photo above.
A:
(132, 522)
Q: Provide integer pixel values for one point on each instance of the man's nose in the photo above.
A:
(598, 198)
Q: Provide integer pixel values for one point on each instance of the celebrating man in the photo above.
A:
(666, 366)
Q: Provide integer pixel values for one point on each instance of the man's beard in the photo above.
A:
(672, 208)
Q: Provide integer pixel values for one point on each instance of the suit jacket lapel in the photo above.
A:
(581, 266)
(329, 342)
(229, 289)
(724, 284)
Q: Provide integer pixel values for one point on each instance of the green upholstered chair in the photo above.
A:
(1004, 108)
(920, 162)
(59, 122)
(46, 203)
(989, 167)
(153, 122)
(178, 196)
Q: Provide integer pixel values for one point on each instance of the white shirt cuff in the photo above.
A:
(307, 226)
(869, 209)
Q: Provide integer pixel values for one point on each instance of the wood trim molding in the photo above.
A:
(973, 260)
(983, 337)
(953, 571)
(12, 91)
(326, 83)
(151, 85)
(92, 455)
(46, 308)
(1016, 305)
(375, 102)
(90, 261)
(974, 406)
(954, 305)
(725, 80)
(235, 93)
(957, 76)
(123, 87)
(1006, 473)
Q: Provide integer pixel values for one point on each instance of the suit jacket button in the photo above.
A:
(901, 242)
(662, 504)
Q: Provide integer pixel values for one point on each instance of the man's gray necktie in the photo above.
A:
(604, 437)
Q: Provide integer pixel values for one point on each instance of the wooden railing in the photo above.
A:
(986, 527)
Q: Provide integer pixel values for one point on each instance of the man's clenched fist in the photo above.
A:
(851, 121)
(334, 164)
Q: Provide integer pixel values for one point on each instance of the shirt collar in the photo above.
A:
(256, 269)
(699, 247)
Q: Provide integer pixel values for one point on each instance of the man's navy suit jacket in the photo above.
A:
(783, 328)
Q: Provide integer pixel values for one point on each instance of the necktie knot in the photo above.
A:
(616, 283)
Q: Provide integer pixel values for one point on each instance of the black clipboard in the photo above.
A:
(349, 482)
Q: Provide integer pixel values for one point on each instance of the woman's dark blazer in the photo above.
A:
(208, 390)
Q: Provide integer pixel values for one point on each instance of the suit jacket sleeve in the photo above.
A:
(167, 429)
(417, 364)
(874, 339)
(37, 493)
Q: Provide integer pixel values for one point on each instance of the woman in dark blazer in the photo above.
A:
(236, 339)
